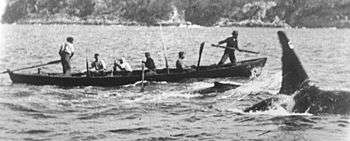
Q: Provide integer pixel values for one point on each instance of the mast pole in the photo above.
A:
(164, 48)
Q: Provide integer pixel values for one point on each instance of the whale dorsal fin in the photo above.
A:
(293, 73)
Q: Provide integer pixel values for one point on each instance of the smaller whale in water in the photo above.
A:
(306, 97)
(217, 88)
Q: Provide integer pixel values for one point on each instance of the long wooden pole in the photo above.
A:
(40, 65)
(87, 64)
(241, 50)
(142, 77)
(164, 48)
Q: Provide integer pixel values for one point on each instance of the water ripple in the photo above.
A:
(130, 130)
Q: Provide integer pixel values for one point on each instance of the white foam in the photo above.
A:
(138, 83)
(231, 82)
(200, 85)
(161, 97)
(277, 110)
(264, 83)
(235, 110)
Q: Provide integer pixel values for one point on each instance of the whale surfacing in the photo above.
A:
(217, 88)
(295, 82)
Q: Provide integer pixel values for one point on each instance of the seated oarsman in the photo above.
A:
(122, 65)
(180, 66)
(98, 66)
(179, 62)
(149, 63)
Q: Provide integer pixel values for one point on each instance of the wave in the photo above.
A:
(41, 116)
(17, 107)
(22, 94)
(36, 131)
(130, 130)
(157, 139)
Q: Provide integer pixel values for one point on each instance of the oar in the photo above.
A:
(200, 54)
(49, 63)
(142, 77)
(87, 64)
(241, 50)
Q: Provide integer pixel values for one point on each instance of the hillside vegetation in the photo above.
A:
(295, 13)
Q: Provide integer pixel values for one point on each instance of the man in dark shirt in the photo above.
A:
(181, 66)
(149, 62)
(179, 63)
(231, 42)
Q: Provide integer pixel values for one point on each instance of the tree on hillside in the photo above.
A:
(146, 11)
(204, 12)
(15, 10)
(80, 8)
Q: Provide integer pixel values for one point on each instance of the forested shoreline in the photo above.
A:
(267, 13)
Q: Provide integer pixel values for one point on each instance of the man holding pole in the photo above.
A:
(232, 45)
(66, 52)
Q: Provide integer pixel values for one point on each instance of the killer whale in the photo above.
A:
(295, 83)
(217, 88)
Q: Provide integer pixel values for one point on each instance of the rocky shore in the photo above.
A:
(221, 13)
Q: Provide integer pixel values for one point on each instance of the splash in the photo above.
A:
(266, 83)
(278, 111)
(158, 98)
(200, 85)
(281, 107)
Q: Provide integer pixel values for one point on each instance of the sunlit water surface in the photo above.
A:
(165, 111)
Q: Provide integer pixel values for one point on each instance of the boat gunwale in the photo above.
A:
(208, 68)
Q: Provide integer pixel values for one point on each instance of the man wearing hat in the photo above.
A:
(179, 63)
(231, 42)
(66, 52)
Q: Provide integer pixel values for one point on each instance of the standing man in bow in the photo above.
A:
(231, 42)
(66, 52)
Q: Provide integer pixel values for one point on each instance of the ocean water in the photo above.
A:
(165, 111)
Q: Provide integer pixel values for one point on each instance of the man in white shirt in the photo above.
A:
(66, 52)
(123, 65)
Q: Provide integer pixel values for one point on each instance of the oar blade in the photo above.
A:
(200, 54)
(201, 47)
(7, 71)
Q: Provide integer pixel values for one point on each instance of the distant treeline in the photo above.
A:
(296, 13)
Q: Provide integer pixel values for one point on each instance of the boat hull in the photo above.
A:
(246, 68)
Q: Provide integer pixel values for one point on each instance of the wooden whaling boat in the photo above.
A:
(245, 69)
